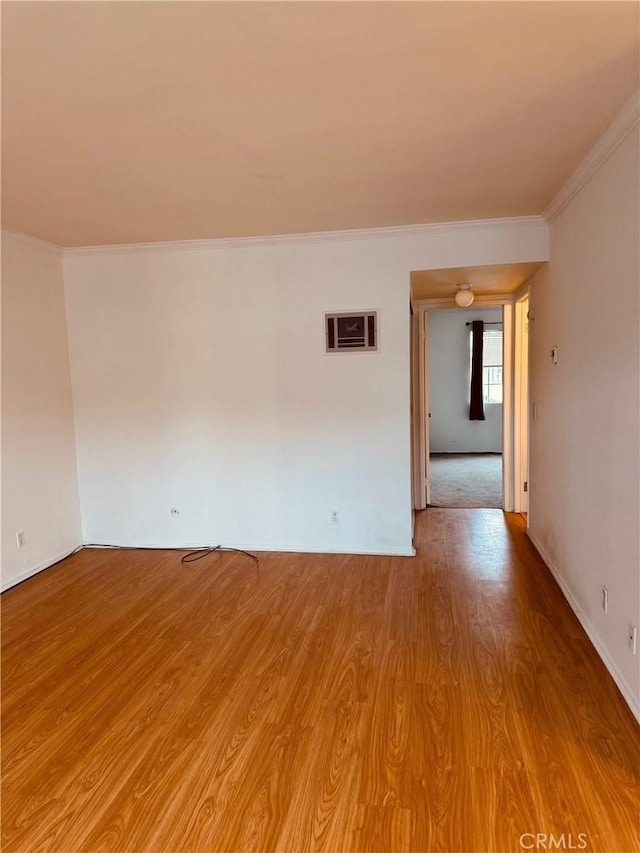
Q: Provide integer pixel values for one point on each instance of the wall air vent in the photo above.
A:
(351, 331)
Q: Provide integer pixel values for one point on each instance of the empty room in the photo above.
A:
(320, 427)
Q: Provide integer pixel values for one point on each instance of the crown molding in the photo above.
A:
(424, 230)
(33, 241)
(615, 134)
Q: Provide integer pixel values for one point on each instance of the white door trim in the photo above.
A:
(419, 394)
(421, 308)
(508, 348)
(521, 402)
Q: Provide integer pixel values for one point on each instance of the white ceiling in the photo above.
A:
(136, 121)
(493, 280)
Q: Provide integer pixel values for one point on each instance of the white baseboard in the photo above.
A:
(615, 673)
(46, 564)
(288, 549)
(40, 567)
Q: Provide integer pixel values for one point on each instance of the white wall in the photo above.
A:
(450, 430)
(201, 382)
(39, 476)
(584, 444)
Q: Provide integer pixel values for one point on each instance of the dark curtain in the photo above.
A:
(476, 405)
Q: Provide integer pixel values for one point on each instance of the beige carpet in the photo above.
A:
(466, 479)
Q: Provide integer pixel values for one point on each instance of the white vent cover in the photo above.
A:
(351, 330)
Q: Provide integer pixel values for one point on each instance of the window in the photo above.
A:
(491, 364)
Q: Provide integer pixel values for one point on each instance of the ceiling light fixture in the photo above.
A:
(464, 296)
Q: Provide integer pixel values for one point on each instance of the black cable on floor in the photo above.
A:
(191, 557)
(199, 553)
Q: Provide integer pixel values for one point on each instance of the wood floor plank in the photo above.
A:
(508, 811)
(377, 828)
(320, 810)
(340, 703)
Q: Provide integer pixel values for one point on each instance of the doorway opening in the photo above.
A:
(465, 455)
(502, 286)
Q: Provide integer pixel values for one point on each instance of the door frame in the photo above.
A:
(521, 401)
(419, 407)
(420, 391)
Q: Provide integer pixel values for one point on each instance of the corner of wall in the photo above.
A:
(39, 473)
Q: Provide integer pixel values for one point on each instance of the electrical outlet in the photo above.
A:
(21, 539)
(605, 599)
(632, 637)
(335, 518)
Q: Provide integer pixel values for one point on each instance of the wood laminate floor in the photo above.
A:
(449, 702)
